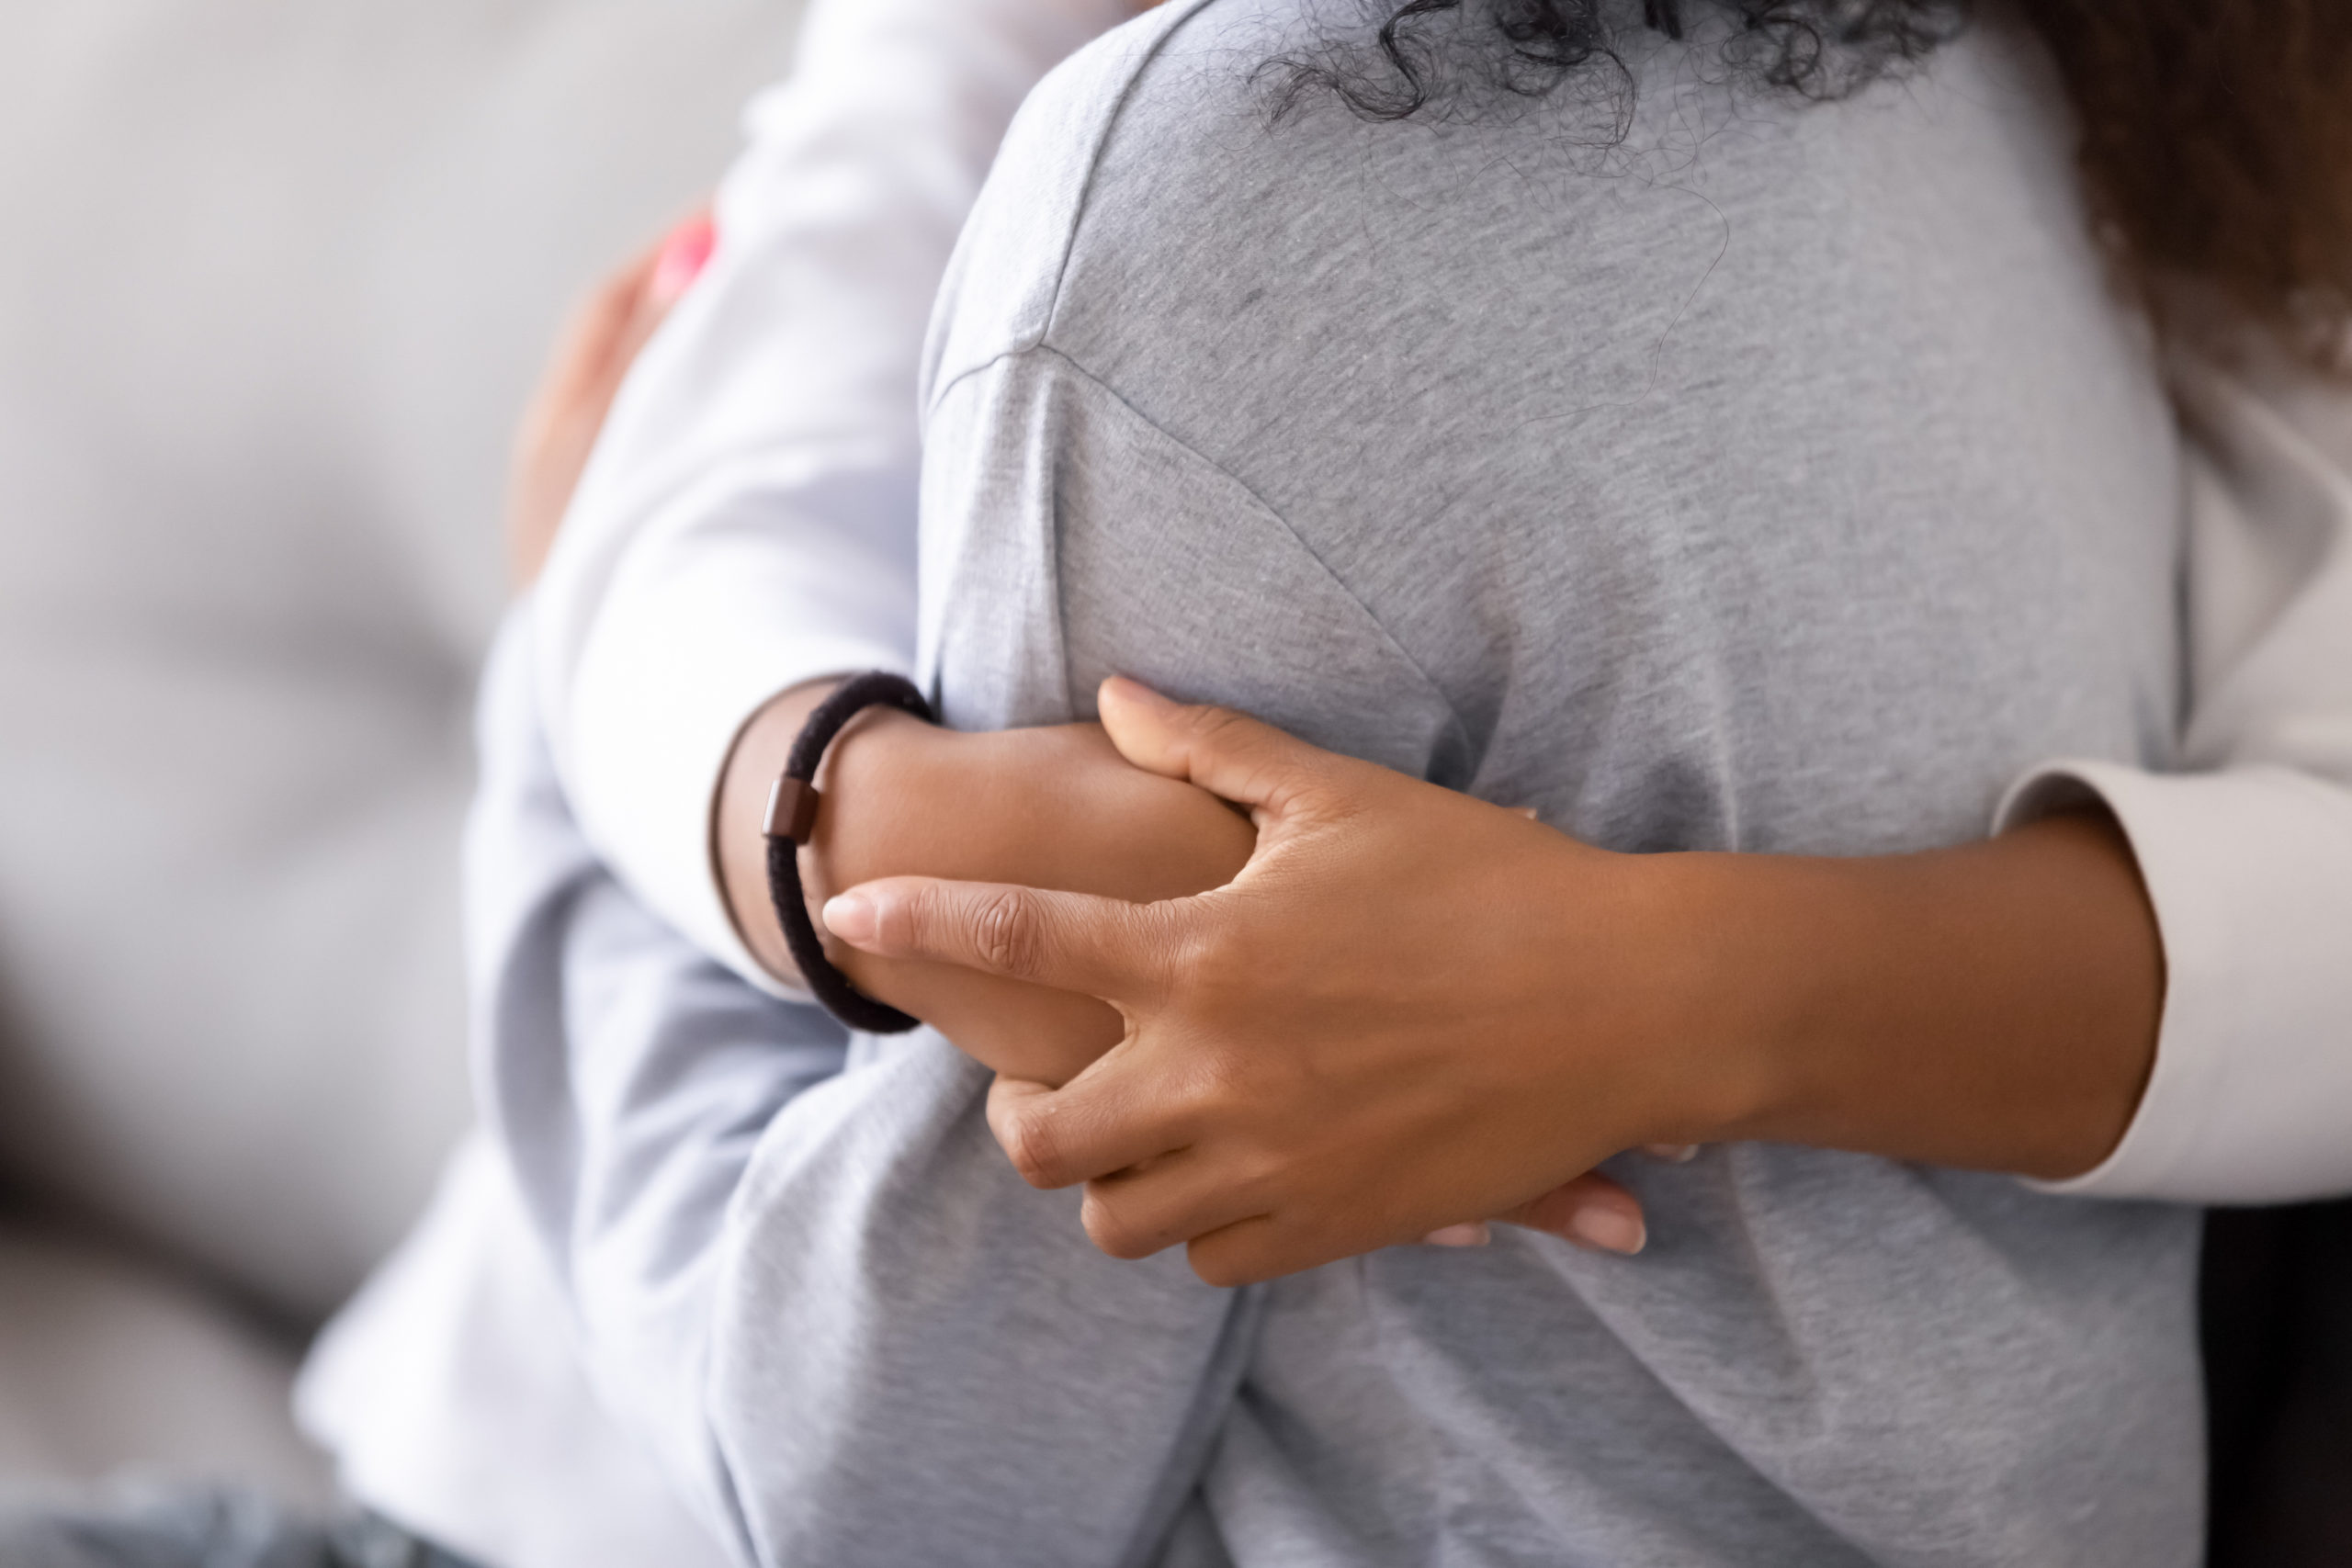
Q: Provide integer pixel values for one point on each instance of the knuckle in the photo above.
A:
(1190, 944)
(1222, 1267)
(1216, 1083)
(1226, 997)
(1008, 934)
(908, 921)
(1029, 1143)
(1207, 721)
(1161, 937)
(1266, 1177)
(1198, 961)
(1115, 1231)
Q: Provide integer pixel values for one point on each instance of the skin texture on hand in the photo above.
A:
(1287, 1095)
(1411, 1009)
(1049, 807)
(1052, 807)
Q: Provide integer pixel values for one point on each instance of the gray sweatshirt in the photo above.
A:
(1783, 481)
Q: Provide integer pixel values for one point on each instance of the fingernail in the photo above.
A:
(850, 917)
(682, 257)
(1134, 691)
(1473, 1232)
(1609, 1228)
(1673, 1154)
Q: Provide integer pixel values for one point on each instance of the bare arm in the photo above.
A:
(1053, 807)
(1993, 1006)
(1413, 1008)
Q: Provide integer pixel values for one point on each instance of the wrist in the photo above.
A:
(1776, 986)
(869, 752)
(738, 821)
(1992, 1006)
(1733, 996)
(880, 788)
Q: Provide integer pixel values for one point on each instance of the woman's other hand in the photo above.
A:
(598, 344)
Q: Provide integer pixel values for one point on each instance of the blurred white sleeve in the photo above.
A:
(748, 521)
(2247, 856)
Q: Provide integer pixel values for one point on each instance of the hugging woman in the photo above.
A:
(1719, 429)
(1706, 472)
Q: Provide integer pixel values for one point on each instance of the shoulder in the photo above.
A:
(1143, 119)
(999, 292)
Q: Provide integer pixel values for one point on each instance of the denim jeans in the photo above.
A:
(202, 1526)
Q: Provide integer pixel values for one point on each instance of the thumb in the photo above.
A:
(1229, 754)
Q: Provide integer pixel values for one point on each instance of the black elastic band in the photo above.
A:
(792, 811)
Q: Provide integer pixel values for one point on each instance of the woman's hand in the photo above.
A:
(1411, 1009)
(1362, 1039)
(598, 344)
(1053, 807)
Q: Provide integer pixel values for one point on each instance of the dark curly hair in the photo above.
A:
(1429, 55)
(2216, 135)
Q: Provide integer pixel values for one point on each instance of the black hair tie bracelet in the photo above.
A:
(792, 816)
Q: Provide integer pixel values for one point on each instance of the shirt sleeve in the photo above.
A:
(748, 521)
(801, 1270)
(2247, 854)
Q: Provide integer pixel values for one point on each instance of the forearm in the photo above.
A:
(1994, 1006)
(1412, 1008)
(2246, 852)
(1050, 807)
(2173, 1010)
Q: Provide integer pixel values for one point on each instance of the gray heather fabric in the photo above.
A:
(1785, 480)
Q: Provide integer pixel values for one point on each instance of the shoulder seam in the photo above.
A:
(1018, 344)
(1452, 716)
(1094, 164)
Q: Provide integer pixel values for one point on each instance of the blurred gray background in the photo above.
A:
(276, 279)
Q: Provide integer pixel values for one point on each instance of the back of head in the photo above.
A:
(2215, 140)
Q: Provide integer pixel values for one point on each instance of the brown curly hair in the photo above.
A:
(2216, 134)
(2217, 148)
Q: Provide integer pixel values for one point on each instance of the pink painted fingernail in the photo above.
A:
(684, 255)
(1608, 1228)
(850, 917)
(1471, 1233)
